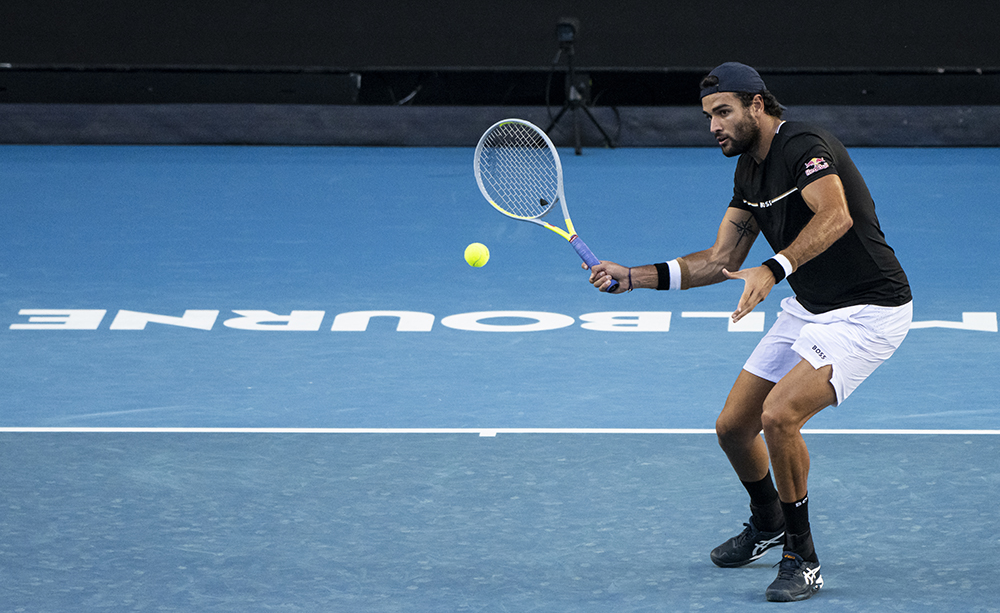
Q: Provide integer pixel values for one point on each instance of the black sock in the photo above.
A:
(764, 504)
(798, 537)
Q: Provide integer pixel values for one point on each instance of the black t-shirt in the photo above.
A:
(860, 268)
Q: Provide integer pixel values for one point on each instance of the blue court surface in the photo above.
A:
(263, 379)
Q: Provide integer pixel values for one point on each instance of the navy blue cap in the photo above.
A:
(735, 77)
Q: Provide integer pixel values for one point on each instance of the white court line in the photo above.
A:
(483, 432)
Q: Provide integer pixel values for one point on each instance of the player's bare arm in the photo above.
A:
(733, 241)
(824, 197)
(832, 219)
(735, 237)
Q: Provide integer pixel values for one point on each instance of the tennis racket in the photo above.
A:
(518, 171)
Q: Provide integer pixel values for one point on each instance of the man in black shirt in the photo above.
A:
(796, 184)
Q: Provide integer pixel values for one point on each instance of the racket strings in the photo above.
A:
(519, 171)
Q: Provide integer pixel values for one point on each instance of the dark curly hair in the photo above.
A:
(771, 105)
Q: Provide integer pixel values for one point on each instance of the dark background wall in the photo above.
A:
(356, 35)
(885, 54)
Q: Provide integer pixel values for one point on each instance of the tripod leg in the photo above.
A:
(578, 148)
(556, 119)
(607, 139)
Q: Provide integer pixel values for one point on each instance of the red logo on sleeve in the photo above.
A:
(815, 165)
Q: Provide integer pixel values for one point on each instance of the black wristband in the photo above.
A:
(663, 276)
(776, 269)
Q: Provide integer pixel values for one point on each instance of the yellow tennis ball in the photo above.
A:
(477, 255)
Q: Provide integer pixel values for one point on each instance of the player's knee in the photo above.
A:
(776, 419)
(733, 434)
(721, 432)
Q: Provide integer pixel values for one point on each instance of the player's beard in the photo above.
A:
(746, 135)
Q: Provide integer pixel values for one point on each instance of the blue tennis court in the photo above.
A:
(264, 378)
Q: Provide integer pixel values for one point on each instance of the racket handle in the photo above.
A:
(588, 256)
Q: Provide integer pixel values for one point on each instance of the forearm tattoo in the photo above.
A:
(744, 228)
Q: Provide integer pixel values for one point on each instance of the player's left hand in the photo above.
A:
(757, 284)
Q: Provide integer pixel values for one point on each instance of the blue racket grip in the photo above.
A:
(588, 256)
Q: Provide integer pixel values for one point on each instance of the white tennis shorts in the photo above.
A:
(855, 340)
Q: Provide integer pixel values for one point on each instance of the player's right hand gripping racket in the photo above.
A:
(518, 170)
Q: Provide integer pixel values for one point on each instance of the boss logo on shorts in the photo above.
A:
(819, 352)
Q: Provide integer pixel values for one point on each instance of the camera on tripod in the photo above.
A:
(566, 29)
(578, 85)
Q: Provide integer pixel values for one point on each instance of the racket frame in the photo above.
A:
(570, 232)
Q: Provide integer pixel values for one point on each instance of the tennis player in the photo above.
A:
(852, 307)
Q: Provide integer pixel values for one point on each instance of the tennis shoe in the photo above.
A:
(746, 546)
(797, 579)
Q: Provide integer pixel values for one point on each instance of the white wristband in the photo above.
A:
(785, 264)
(675, 274)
